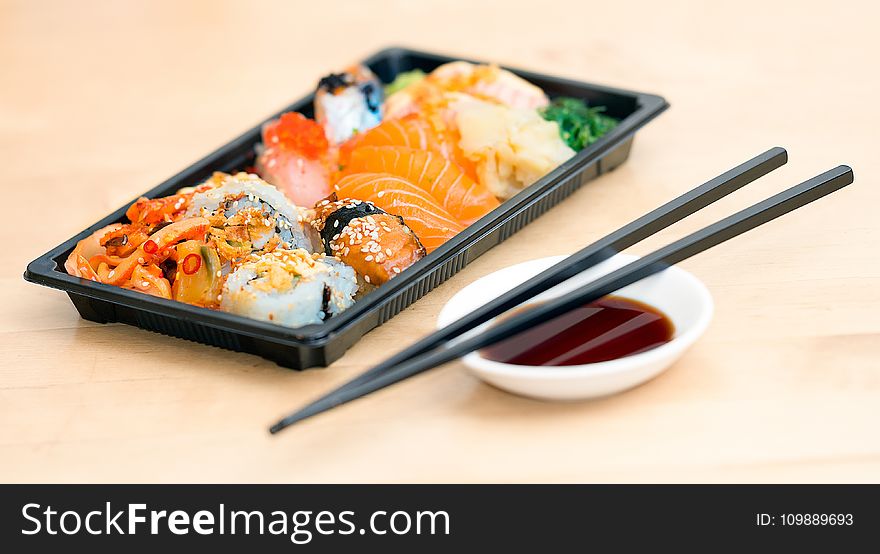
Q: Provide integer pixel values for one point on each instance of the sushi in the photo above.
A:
(289, 287)
(431, 223)
(295, 157)
(411, 132)
(463, 198)
(490, 82)
(249, 214)
(484, 82)
(339, 204)
(376, 244)
(349, 102)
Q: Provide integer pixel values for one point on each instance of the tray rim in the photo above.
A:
(44, 271)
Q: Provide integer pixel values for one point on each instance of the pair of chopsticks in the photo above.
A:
(449, 343)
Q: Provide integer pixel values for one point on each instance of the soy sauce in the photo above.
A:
(609, 328)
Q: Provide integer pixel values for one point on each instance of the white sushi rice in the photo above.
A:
(288, 287)
(344, 114)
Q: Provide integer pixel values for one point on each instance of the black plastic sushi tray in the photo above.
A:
(320, 345)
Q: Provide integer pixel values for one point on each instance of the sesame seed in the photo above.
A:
(367, 278)
(336, 224)
(381, 194)
(388, 251)
(368, 258)
(395, 269)
(145, 284)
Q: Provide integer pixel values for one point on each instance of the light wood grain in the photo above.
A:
(100, 101)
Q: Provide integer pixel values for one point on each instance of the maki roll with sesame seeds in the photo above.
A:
(376, 244)
(248, 214)
(289, 287)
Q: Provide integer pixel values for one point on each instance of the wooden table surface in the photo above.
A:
(101, 101)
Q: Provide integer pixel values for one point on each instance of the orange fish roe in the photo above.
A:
(294, 131)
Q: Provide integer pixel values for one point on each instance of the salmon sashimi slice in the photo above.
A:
(411, 131)
(462, 197)
(431, 223)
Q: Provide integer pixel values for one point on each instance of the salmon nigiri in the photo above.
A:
(432, 224)
(462, 197)
(411, 131)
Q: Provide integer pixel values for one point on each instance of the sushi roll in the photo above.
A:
(289, 287)
(349, 102)
(376, 244)
(430, 221)
(248, 214)
(295, 157)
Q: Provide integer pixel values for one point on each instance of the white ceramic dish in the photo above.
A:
(677, 293)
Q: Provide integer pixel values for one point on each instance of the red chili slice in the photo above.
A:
(192, 263)
(150, 247)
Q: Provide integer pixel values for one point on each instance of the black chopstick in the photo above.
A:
(704, 239)
(623, 238)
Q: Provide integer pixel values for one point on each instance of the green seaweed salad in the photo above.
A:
(579, 124)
